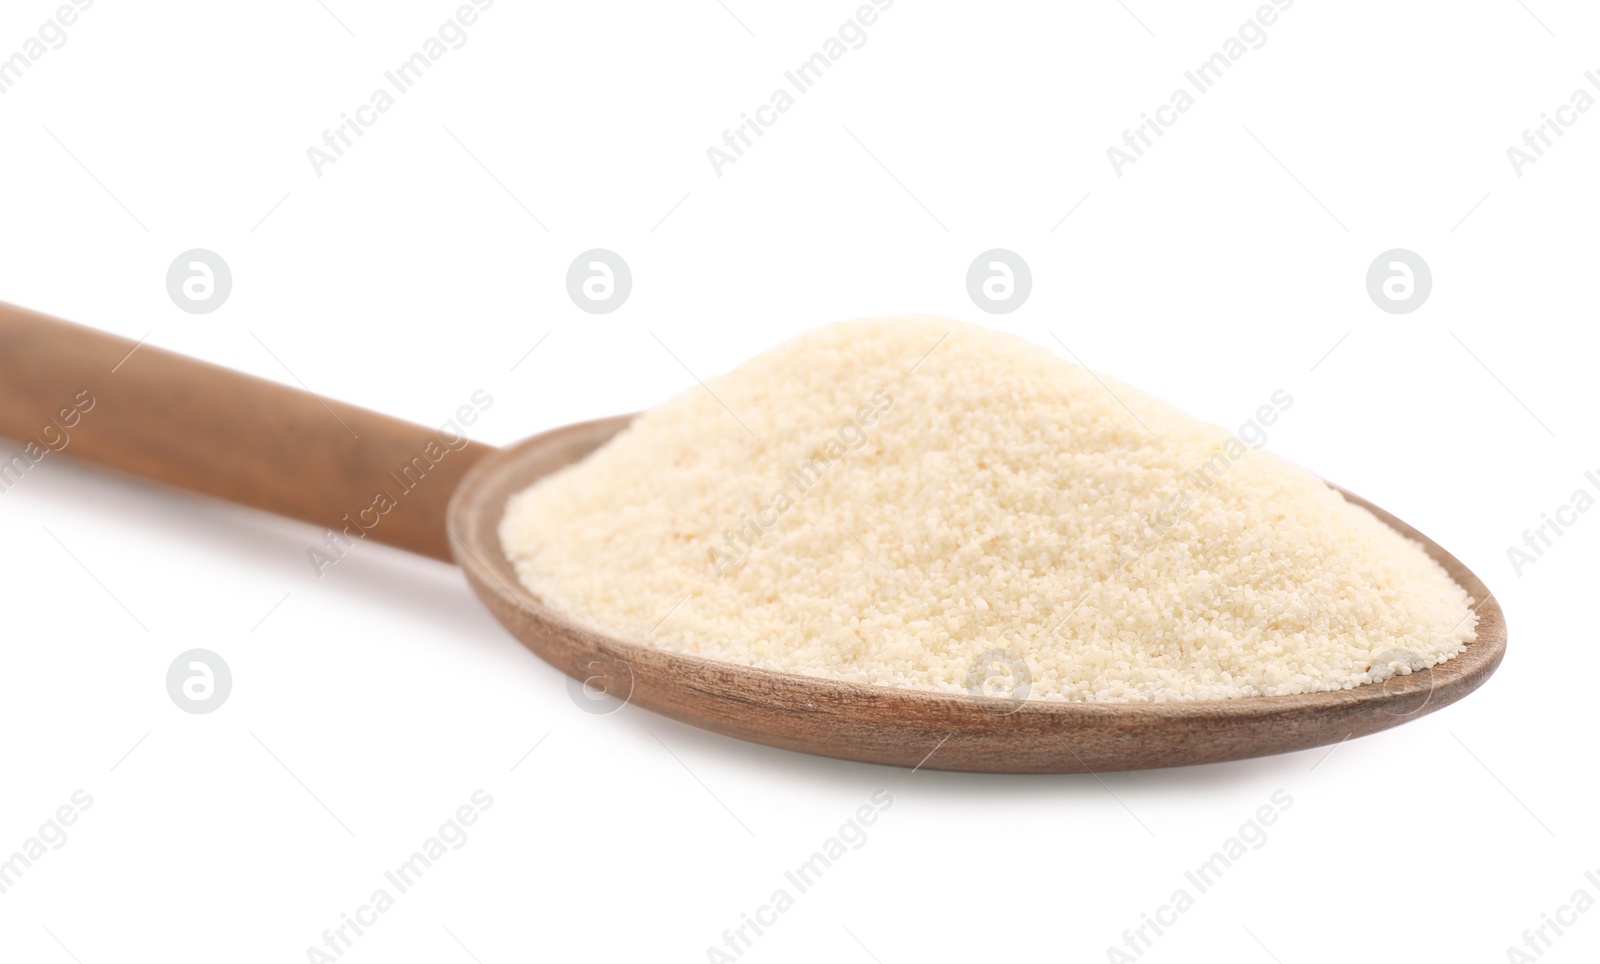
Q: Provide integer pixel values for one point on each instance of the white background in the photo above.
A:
(369, 704)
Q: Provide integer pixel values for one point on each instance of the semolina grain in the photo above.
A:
(912, 493)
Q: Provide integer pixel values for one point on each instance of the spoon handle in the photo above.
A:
(152, 413)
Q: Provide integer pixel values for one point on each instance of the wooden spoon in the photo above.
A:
(247, 440)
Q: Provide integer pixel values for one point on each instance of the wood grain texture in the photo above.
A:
(909, 728)
(201, 427)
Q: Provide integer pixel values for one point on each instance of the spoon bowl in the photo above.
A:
(918, 728)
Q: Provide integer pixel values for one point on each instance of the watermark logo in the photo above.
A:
(199, 681)
(51, 835)
(397, 483)
(1138, 939)
(600, 683)
(741, 137)
(199, 281)
(739, 540)
(999, 281)
(1394, 666)
(800, 879)
(399, 880)
(1553, 924)
(51, 35)
(1141, 138)
(1001, 680)
(53, 436)
(1538, 540)
(1538, 139)
(1148, 529)
(353, 124)
(599, 281)
(1399, 281)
